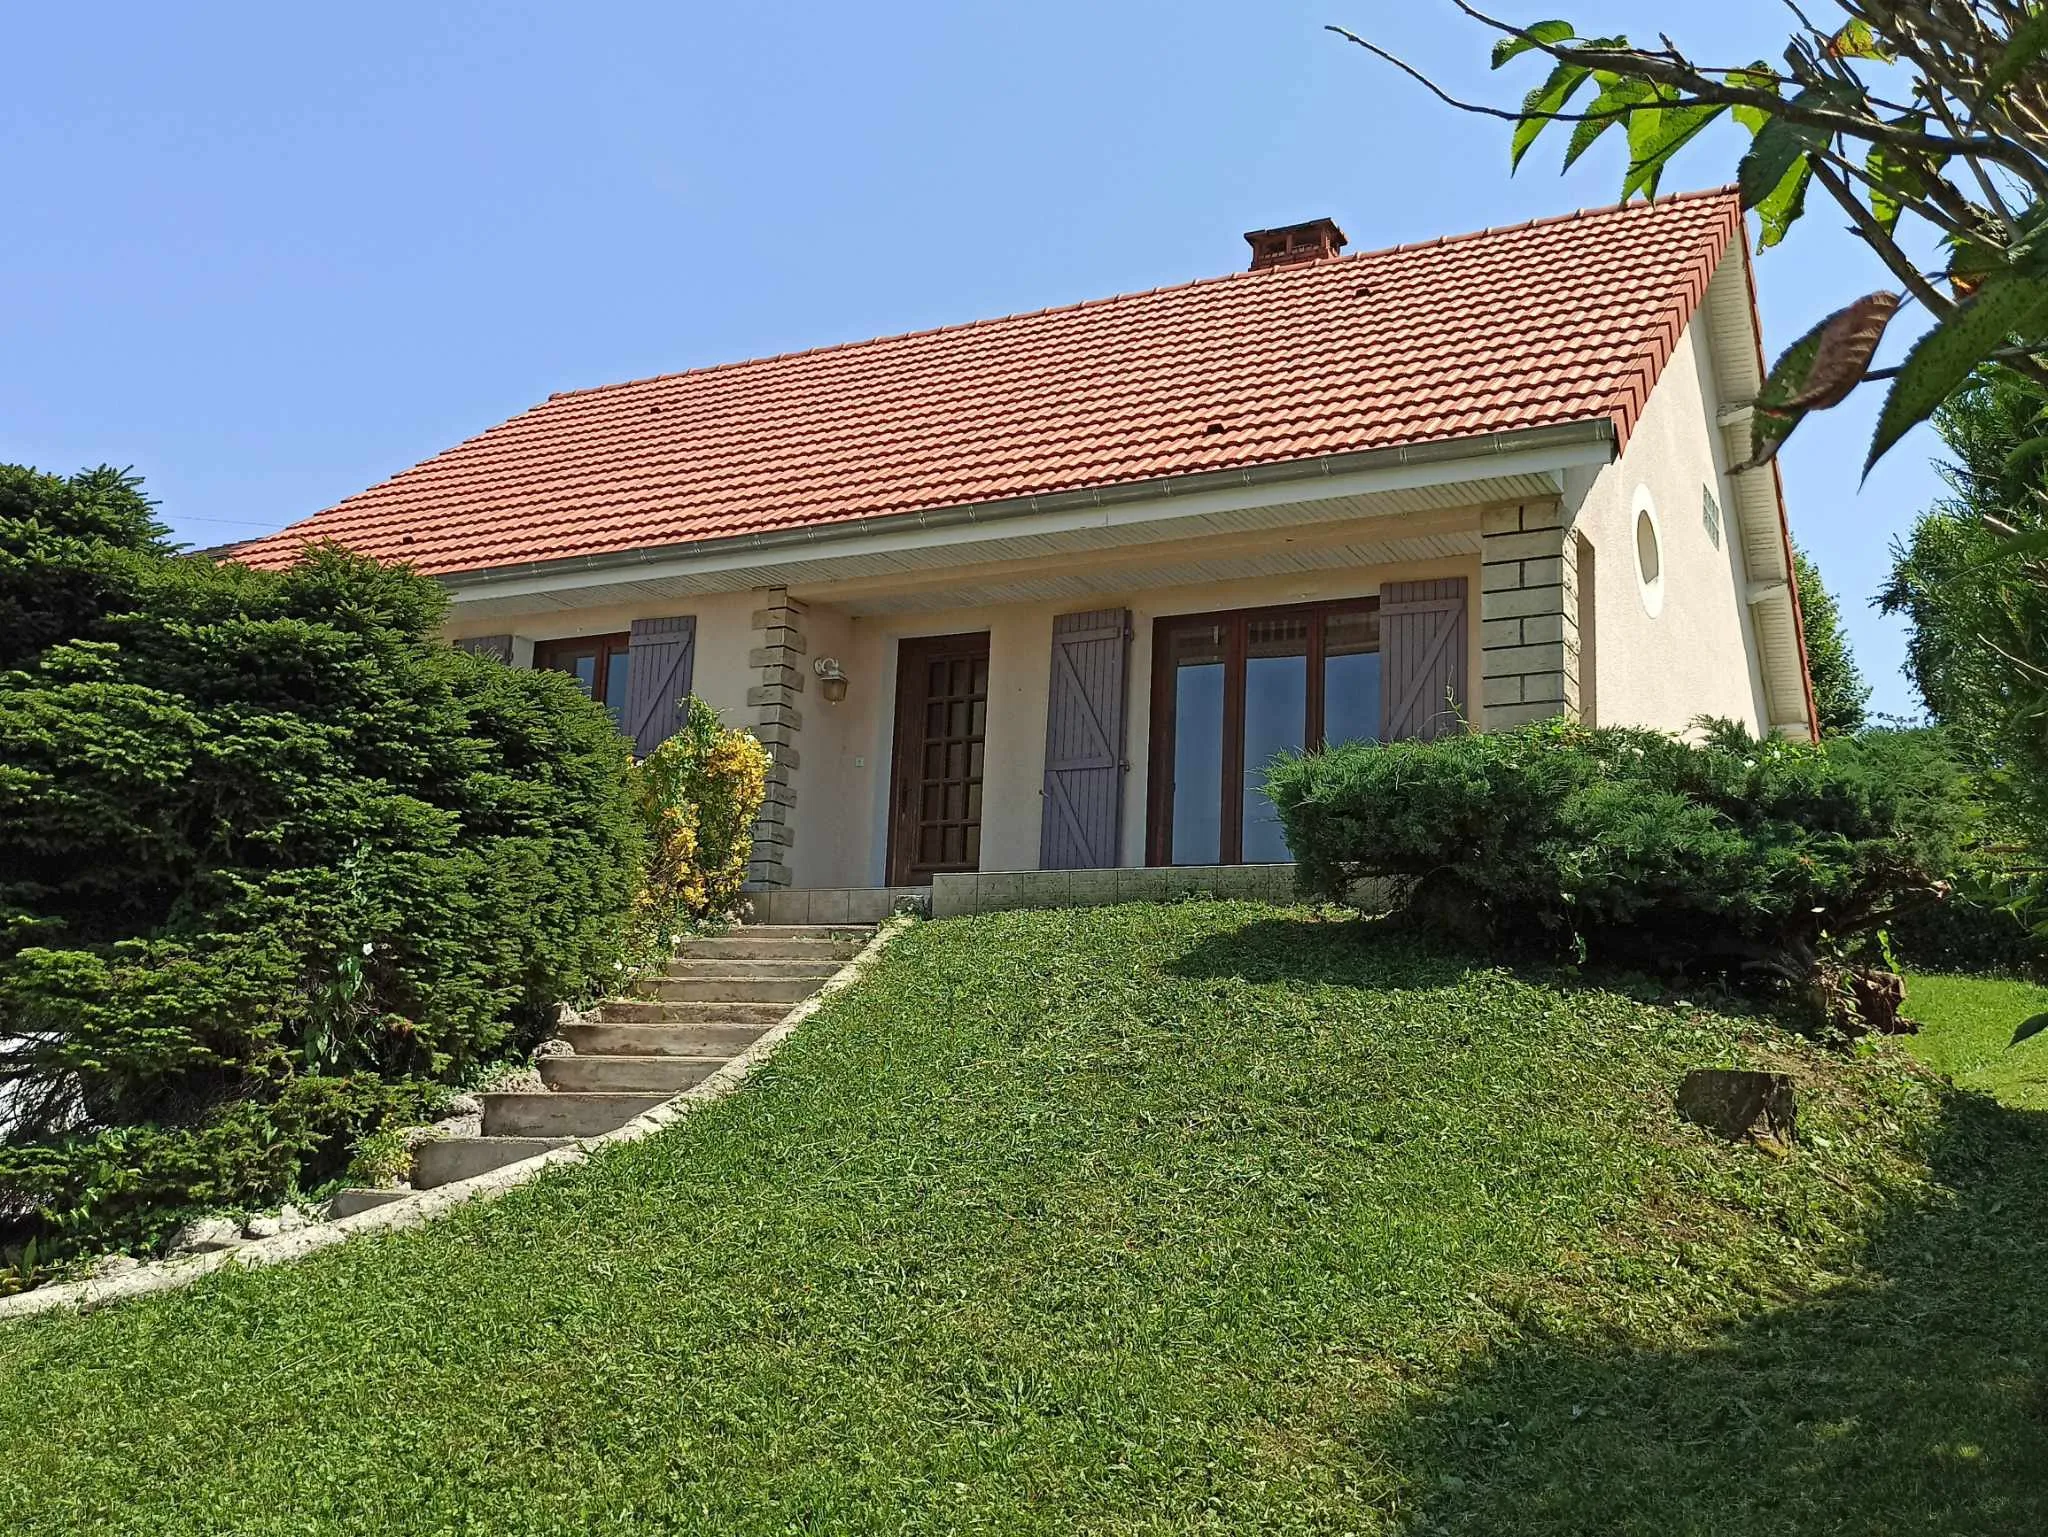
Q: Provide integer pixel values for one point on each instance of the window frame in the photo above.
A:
(548, 656)
(1236, 624)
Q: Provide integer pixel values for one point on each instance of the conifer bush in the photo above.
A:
(1725, 852)
(274, 861)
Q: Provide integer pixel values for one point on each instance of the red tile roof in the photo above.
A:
(1563, 320)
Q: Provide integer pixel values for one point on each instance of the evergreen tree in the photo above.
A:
(1840, 696)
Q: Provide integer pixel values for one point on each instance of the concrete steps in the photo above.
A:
(664, 1075)
(347, 1203)
(562, 1115)
(748, 948)
(723, 989)
(443, 1163)
(654, 1011)
(718, 996)
(711, 1039)
(761, 933)
(749, 971)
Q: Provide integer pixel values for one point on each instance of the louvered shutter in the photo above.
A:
(1084, 733)
(662, 658)
(1422, 656)
(498, 647)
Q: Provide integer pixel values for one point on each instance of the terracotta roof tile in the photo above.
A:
(1557, 321)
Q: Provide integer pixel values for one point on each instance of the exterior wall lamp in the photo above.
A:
(831, 678)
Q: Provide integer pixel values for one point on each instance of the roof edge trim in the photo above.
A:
(1589, 441)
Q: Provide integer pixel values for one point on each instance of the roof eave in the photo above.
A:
(1558, 446)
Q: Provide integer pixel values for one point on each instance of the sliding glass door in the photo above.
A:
(1232, 691)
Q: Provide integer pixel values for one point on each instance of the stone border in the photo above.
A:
(423, 1206)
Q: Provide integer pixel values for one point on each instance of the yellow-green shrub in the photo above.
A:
(699, 793)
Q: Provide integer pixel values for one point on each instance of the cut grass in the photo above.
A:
(1966, 1031)
(1209, 1217)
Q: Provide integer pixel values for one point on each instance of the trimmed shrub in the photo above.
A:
(698, 794)
(1631, 845)
(273, 862)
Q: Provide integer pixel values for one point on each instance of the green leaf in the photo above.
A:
(1781, 210)
(2030, 1028)
(2008, 304)
(1654, 136)
(1539, 105)
(1544, 31)
(1758, 77)
(1859, 40)
(1779, 145)
(1618, 94)
(2029, 40)
(1898, 178)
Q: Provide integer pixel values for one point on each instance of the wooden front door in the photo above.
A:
(941, 718)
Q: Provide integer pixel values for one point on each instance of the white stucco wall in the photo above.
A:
(842, 780)
(1698, 655)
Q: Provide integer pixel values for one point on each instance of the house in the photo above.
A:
(1045, 592)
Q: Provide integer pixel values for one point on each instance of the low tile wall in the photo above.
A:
(842, 904)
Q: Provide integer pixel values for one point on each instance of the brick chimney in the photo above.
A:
(1294, 243)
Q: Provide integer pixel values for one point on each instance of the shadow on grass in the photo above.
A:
(1917, 1402)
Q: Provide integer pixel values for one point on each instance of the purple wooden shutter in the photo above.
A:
(1422, 658)
(1084, 734)
(662, 658)
(498, 647)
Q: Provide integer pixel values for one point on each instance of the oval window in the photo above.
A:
(1649, 555)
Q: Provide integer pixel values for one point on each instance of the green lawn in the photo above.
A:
(1197, 1218)
(1967, 1026)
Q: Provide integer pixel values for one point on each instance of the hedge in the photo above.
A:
(274, 861)
(1630, 845)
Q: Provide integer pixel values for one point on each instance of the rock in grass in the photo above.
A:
(205, 1235)
(1742, 1106)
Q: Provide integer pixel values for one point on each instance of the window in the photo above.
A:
(598, 662)
(1230, 692)
(1649, 554)
(1710, 515)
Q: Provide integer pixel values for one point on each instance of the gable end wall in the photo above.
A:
(1699, 655)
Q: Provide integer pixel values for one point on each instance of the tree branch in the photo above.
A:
(1672, 69)
(1887, 249)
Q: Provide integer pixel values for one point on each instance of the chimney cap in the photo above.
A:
(1290, 244)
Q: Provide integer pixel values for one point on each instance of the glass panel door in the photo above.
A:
(1275, 721)
(1195, 655)
(1351, 677)
(617, 663)
(1231, 692)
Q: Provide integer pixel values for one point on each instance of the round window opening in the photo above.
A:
(1649, 556)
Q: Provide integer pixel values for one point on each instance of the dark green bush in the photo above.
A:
(1631, 845)
(272, 859)
(1978, 927)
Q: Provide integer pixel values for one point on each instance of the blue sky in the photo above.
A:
(268, 255)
